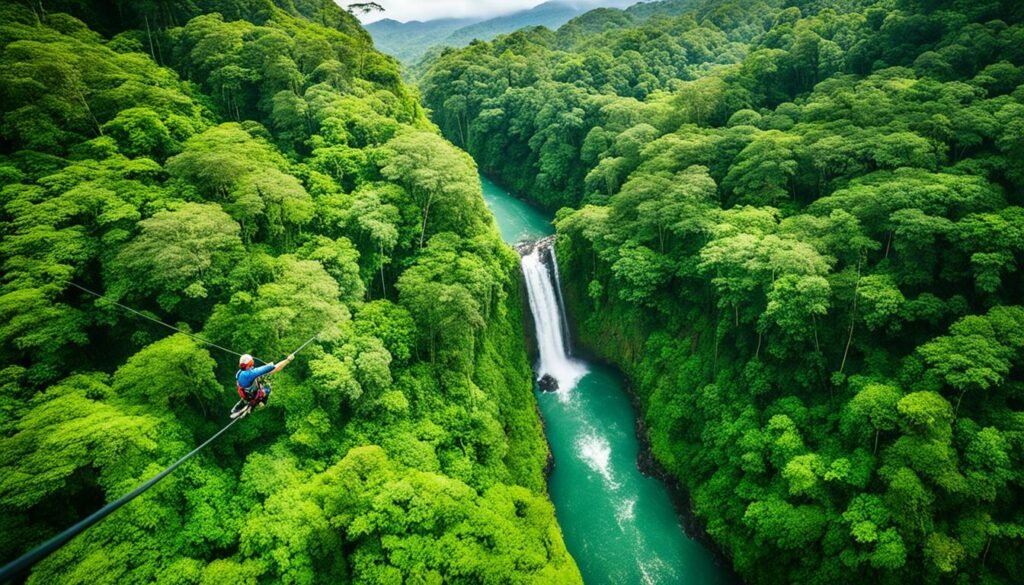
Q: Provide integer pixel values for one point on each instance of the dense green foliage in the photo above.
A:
(799, 231)
(255, 174)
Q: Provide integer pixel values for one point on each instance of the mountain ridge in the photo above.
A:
(410, 41)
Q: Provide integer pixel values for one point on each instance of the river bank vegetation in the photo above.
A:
(797, 227)
(253, 172)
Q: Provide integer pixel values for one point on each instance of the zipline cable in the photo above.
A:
(32, 557)
(26, 561)
(308, 341)
(159, 322)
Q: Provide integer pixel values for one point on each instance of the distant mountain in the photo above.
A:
(410, 41)
(600, 20)
(549, 14)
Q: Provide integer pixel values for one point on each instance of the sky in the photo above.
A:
(405, 10)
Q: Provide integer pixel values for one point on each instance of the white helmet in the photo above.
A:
(246, 362)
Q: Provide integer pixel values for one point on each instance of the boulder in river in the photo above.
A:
(547, 383)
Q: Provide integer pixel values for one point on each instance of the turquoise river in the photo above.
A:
(619, 525)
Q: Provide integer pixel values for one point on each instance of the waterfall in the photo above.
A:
(566, 338)
(549, 320)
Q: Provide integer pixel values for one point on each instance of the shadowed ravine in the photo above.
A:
(619, 525)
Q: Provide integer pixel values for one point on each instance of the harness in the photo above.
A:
(247, 393)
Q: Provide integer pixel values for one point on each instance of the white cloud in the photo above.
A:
(405, 10)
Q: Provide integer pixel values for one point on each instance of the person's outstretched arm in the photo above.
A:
(262, 370)
(280, 365)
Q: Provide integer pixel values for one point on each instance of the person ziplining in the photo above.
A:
(252, 389)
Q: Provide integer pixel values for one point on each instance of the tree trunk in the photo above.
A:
(383, 285)
(956, 411)
(432, 335)
(853, 321)
(39, 20)
(817, 345)
(423, 226)
(714, 364)
(159, 52)
(81, 96)
(462, 122)
(149, 35)
(849, 340)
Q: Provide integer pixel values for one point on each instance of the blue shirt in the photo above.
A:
(246, 378)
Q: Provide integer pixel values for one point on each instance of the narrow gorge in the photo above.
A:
(619, 525)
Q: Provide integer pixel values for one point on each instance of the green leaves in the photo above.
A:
(285, 202)
(640, 271)
(216, 160)
(783, 525)
(260, 234)
(300, 300)
(925, 413)
(761, 175)
(440, 178)
(405, 524)
(390, 323)
(186, 373)
(450, 292)
(775, 193)
(978, 353)
(880, 301)
(795, 302)
(66, 432)
(803, 473)
(803, 254)
(184, 253)
(943, 552)
(876, 405)
(336, 378)
(141, 132)
(34, 325)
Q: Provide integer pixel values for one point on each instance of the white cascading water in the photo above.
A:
(561, 304)
(548, 320)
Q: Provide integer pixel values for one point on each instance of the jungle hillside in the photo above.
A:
(797, 227)
(253, 173)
